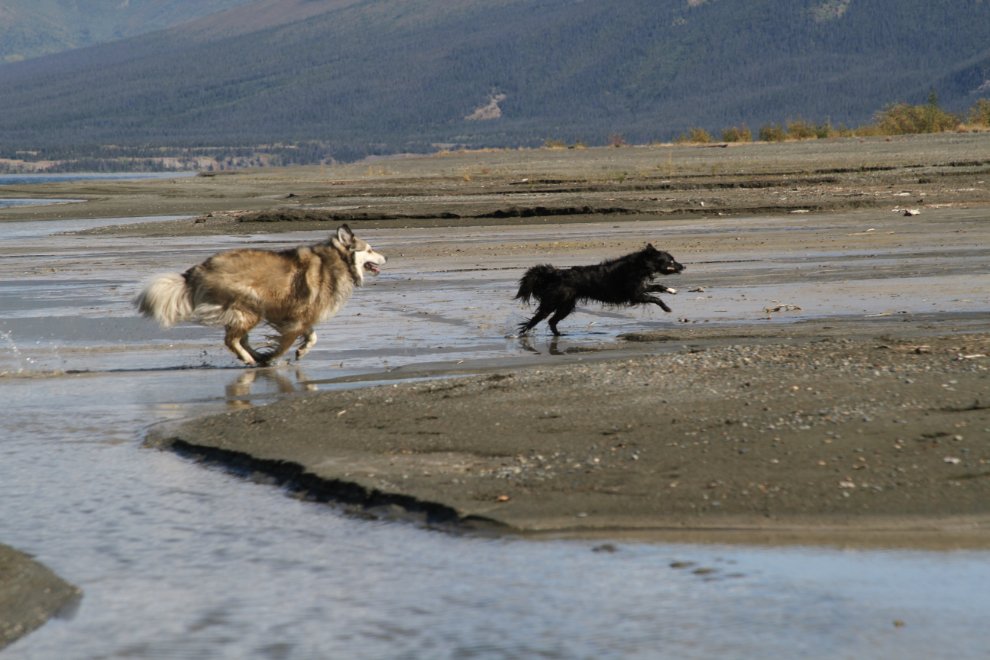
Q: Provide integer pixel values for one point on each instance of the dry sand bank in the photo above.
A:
(557, 185)
(881, 434)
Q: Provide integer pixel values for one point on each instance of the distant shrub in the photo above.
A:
(554, 144)
(800, 130)
(774, 133)
(906, 119)
(736, 134)
(823, 131)
(979, 114)
(617, 140)
(699, 136)
(694, 136)
(868, 130)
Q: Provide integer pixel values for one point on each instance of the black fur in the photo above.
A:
(622, 281)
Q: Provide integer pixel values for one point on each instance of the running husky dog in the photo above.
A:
(291, 290)
(621, 281)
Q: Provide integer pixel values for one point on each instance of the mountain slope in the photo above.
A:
(29, 28)
(393, 75)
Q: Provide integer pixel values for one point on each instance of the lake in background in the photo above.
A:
(26, 179)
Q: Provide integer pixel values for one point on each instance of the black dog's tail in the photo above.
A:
(536, 280)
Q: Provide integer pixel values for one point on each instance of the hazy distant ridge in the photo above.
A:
(391, 75)
(29, 28)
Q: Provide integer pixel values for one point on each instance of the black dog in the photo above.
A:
(622, 281)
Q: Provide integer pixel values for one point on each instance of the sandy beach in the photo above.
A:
(844, 421)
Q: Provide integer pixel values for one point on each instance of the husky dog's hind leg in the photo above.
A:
(236, 339)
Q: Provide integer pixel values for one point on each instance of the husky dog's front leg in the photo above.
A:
(235, 340)
(309, 340)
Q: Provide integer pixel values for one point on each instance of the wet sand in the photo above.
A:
(845, 422)
(30, 594)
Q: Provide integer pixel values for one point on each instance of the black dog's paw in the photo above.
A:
(265, 360)
(664, 307)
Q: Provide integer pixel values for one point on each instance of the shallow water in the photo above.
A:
(180, 561)
(30, 178)
(34, 202)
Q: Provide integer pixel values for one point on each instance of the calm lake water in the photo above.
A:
(179, 561)
(24, 179)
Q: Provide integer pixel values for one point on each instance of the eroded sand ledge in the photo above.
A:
(801, 435)
(30, 594)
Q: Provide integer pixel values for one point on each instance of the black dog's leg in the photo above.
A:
(659, 288)
(560, 315)
(258, 357)
(541, 313)
(646, 298)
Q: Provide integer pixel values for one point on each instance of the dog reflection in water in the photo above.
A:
(239, 390)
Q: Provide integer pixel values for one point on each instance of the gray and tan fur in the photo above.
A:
(291, 290)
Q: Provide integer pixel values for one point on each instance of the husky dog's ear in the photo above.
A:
(345, 236)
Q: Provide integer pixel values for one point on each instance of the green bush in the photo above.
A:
(699, 136)
(736, 134)
(980, 113)
(800, 130)
(774, 133)
(905, 119)
(695, 136)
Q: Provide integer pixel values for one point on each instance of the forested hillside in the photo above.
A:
(29, 28)
(385, 76)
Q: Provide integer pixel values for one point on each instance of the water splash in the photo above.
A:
(16, 352)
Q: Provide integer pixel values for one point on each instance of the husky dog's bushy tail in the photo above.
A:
(537, 279)
(167, 298)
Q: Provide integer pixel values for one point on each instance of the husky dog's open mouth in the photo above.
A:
(372, 268)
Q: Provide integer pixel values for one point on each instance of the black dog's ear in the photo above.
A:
(650, 248)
